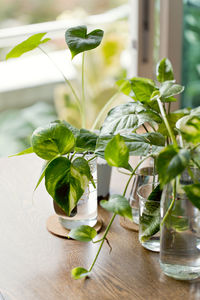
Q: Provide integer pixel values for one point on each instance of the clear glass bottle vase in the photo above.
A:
(180, 232)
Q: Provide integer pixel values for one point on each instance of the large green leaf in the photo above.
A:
(190, 128)
(117, 153)
(31, 43)
(128, 117)
(164, 70)
(79, 272)
(66, 181)
(118, 204)
(83, 233)
(169, 89)
(78, 40)
(193, 193)
(52, 140)
(86, 140)
(138, 144)
(142, 88)
(171, 162)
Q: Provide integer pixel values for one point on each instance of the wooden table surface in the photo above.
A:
(35, 265)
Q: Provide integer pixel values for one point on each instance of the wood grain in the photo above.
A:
(35, 265)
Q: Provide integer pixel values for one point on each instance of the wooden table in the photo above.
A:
(35, 265)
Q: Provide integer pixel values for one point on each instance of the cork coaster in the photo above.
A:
(127, 224)
(53, 226)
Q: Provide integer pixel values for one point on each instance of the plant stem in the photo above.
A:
(163, 114)
(145, 128)
(83, 92)
(169, 108)
(66, 80)
(102, 111)
(103, 239)
(171, 204)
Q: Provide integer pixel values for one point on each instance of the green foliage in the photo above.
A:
(128, 117)
(117, 153)
(79, 41)
(78, 273)
(193, 193)
(125, 87)
(86, 140)
(83, 233)
(172, 119)
(30, 44)
(169, 89)
(52, 140)
(27, 151)
(189, 127)
(119, 205)
(142, 88)
(171, 162)
(164, 70)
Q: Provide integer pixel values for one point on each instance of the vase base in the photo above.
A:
(152, 244)
(180, 272)
(71, 224)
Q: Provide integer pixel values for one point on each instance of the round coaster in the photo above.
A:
(127, 224)
(54, 226)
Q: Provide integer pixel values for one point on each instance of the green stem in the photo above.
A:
(92, 158)
(169, 108)
(83, 92)
(67, 81)
(94, 242)
(103, 239)
(103, 110)
(171, 204)
(163, 114)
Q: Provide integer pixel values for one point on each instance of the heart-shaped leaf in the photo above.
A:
(86, 140)
(193, 193)
(66, 181)
(169, 89)
(29, 44)
(119, 205)
(83, 233)
(164, 70)
(171, 162)
(78, 40)
(52, 140)
(79, 272)
(128, 117)
(142, 88)
(117, 153)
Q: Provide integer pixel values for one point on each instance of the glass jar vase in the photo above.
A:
(85, 212)
(180, 232)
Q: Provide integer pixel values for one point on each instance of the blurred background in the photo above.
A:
(137, 34)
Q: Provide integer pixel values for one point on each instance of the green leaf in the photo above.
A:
(29, 44)
(125, 87)
(119, 205)
(193, 193)
(128, 117)
(172, 119)
(86, 140)
(164, 70)
(117, 153)
(156, 194)
(52, 140)
(79, 41)
(78, 273)
(66, 181)
(83, 233)
(142, 88)
(27, 151)
(169, 89)
(171, 162)
(189, 127)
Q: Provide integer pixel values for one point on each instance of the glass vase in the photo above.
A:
(180, 232)
(85, 212)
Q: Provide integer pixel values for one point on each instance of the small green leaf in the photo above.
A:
(169, 89)
(29, 44)
(117, 153)
(118, 204)
(79, 41)
(142, 88)
(190, 128)
(171, 162)
(27, 151)
(156, 194)
(83, 233)
(125, 87)
(78, 273)
(86, 140)
(193, 193)
(52, 140)
(164, 70)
